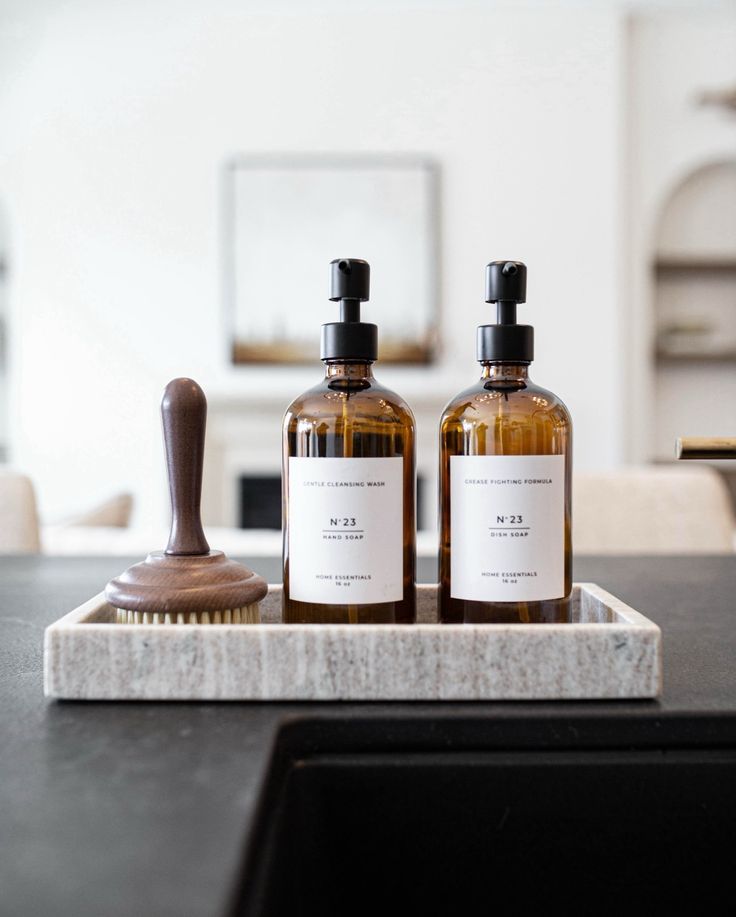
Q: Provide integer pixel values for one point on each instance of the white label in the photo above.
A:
(508, 527)
(346, 530)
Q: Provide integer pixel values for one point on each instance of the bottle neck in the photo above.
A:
(348, 370)
(505, 372)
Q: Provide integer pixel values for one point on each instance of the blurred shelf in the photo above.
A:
(722, 356)
(409, 353)
(721, 265)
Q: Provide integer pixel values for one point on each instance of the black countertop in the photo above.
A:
(145, 808)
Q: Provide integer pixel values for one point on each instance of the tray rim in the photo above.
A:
(631, 618)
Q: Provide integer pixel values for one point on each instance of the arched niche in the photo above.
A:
(699, 216)
(695, 267)
(694, 274)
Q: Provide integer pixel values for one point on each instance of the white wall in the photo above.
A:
(116, 118)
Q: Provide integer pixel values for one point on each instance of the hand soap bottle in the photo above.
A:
(505, 480)
(349, 480)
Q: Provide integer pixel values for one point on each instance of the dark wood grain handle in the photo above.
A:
(184, 413)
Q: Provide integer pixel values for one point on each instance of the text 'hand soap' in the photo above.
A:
(505, 480)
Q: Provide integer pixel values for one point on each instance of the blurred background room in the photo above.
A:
(175, 177)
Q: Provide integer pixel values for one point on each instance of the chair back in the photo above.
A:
(19, 531)
(653, 510)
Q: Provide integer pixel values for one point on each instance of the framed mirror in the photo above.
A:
(288, 217)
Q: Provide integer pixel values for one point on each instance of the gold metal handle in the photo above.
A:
(706, 447)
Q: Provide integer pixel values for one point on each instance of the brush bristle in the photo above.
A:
(250, 614)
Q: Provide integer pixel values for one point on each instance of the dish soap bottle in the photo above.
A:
(349, 480)
(505, 480)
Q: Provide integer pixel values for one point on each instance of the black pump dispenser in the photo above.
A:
(349, 339)
(506, 342)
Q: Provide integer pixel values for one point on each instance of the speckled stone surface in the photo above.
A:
(611, 651)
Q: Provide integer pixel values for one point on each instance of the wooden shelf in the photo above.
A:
(722, 356)
(292, 352)
(695, 265)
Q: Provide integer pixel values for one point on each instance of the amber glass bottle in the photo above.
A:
(505, 480)
(349, 481)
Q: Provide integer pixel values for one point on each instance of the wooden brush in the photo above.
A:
(187, 583)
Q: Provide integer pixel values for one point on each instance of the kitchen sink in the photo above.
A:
(489, 831)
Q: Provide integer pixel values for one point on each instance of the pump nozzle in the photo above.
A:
(350, 278)
(506, 283)
(506, 342)
(350, 281)
(349, 338)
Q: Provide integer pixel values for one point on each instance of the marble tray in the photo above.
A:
(610, 651)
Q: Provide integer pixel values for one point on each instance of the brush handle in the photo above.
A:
(184, 413)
